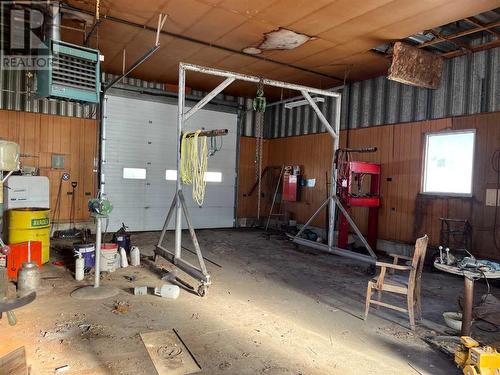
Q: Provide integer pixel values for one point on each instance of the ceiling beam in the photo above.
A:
(460, 34)
(472, 21)
(482, 47)
(455, 41)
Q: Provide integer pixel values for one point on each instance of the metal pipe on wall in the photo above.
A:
(54, 24)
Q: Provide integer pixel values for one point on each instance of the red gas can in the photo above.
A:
(19, 254)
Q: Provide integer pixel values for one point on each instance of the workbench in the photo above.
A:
(469, 277)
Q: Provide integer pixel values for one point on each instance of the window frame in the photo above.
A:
(135, 178)
(424, 164)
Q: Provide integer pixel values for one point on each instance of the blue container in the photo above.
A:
(123, 240)
(87, 251)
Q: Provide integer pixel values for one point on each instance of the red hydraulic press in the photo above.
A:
(351, 185)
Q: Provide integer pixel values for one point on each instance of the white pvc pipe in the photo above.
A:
(98, 240)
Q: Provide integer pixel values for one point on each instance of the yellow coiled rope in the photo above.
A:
(194, 161)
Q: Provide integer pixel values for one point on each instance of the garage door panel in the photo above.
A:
(205, 217)
(213, 197)
(134, 219)
(141, 133)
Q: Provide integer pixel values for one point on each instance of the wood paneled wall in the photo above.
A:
(312, 152)
(404, 214)
(40, 136)
(247, 204)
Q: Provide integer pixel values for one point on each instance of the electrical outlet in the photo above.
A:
(57, 161)
(491, 195)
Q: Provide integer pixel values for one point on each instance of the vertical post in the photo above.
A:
(333, 185)
(468, 303)
(102, 141)
(373, 212)
(98, 239)
(180, 121)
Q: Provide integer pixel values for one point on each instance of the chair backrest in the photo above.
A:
(418, 259)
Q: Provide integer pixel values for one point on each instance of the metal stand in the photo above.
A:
(468, 305)
(333, 201)
(96, 291)
(200, 273)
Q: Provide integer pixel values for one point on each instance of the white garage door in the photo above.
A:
(140, 161)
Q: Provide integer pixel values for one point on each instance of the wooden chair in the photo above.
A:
(409, 286)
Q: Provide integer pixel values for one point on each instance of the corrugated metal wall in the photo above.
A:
(283, 122)
(470, 85)
(17, 93)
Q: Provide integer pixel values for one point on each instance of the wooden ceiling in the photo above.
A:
(344, 31)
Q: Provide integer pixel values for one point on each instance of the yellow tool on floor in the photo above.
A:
(476, 359)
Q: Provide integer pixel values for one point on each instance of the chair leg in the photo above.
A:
(418, 303)
(368, 298)
(411, 315)
(379, 298)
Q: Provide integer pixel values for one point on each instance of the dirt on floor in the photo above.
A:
(273, 308)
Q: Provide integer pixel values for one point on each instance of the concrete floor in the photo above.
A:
(272, 309)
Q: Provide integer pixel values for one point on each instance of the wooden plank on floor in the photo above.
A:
(169, 354)
(14, 363)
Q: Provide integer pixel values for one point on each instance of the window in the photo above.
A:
(134, 173)
(448, 162)
(213, 177)
(171, 175)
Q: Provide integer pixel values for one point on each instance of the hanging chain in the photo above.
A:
(259, 106)
(259, 147)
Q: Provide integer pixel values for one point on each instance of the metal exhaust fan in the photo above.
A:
(73, 73)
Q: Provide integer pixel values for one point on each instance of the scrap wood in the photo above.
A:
(169, 354)
(14, 363)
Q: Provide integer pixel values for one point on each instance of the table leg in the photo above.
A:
(467, 309)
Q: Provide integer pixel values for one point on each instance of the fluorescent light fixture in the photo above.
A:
(300, 103)
(134, 173)
(171, 175)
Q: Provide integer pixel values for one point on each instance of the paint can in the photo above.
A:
(87, 252)
(109, 257)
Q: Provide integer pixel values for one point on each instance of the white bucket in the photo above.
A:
(109, 256)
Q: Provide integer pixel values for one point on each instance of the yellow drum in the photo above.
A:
(31, 224)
